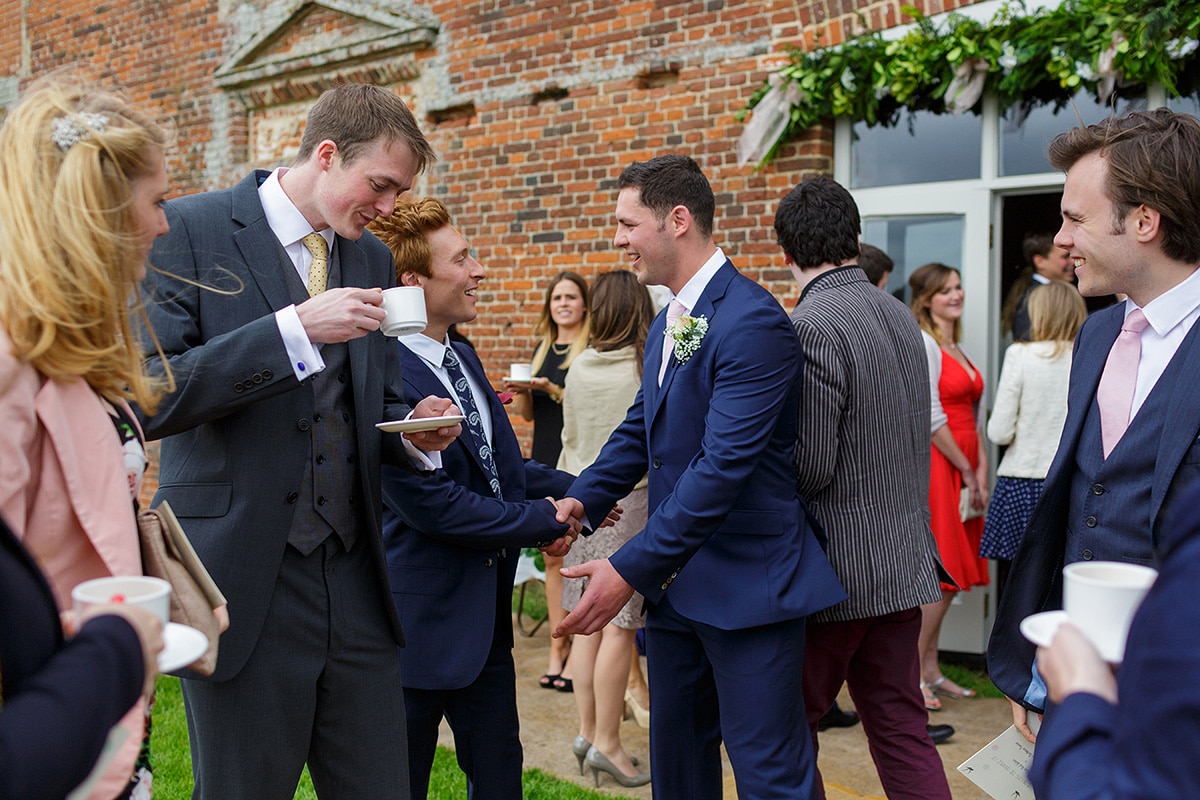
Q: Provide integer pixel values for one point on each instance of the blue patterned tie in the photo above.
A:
(474, 423)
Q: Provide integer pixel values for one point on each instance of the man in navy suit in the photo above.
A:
(453, 535)
(1130, 225)
(728, 562)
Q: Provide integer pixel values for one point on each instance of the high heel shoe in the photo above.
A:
(635, 710)
(600, 763)
(580, 748)
(932, 703)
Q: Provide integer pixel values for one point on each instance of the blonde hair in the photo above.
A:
(547, 328)
(1056, 312)
(926, 281)
(72, 249)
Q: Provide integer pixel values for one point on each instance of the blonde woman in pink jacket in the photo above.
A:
(82, 181)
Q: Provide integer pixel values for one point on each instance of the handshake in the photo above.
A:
(571, 513)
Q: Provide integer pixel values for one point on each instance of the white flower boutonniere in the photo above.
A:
(687, 332)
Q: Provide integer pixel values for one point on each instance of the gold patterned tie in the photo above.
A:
(318, 271)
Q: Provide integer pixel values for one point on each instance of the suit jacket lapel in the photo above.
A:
(261, 252)
(353, 265)
(1087, 366)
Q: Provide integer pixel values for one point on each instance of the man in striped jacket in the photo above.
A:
(862, 458)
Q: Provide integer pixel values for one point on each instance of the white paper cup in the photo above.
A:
(520, 372)
(405, 309)
(1101, 597)
(153, 594)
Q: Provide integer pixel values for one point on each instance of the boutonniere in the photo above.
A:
(687, 332)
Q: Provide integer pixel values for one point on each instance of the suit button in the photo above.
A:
(1090, 522)
(302, 424)
(487, 562)
(258, 378)
(320, 459)
(316, 417)
(1097, 489)
(1087, 555)
(237, 387)
(292, 497)
(350, 459)
(266, 373)
(341, 377)
(345, 417)
(321, 500)
(657, 463)
(663, 587)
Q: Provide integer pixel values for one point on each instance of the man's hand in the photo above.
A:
(570, 511)
(1020, 716)
(441, 438)
(605, 595)
(342, 314)
(562, 545)
(613, 517)
(1072, 664)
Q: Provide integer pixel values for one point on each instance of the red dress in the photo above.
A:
(958, 541)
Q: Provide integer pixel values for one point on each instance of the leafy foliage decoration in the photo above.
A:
(1022, 58)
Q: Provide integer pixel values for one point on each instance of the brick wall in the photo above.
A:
(534, 107)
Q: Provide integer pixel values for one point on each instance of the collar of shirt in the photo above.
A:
(1040, 278)
(432, 352)
(1172, 306)
(288, 224)
(689, 295)
(1171, 316)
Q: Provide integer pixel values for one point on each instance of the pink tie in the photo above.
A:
(1114, 395)
(674, 311)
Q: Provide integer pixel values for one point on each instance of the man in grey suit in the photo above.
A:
(862, 461)
(268, 309)
(1130, 448)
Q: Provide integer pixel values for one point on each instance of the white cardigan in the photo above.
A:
(1031, 408)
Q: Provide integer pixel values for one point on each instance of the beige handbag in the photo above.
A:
(965, 511)
(167, 554)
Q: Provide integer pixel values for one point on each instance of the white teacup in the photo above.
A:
(520, 372)
(153, 594)
(1101, 597)
(405, 309)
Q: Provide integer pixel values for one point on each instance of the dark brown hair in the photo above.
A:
(621, 313)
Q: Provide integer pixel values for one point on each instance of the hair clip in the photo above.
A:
(66, 131)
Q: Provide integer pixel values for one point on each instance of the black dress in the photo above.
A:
(547, 414)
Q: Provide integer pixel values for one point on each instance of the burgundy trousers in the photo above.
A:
(877, 658)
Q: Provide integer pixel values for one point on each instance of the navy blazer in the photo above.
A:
(1148, 747)
(728, 536)
(443, 532)
(235, 430)
(1037, 567)
(59, 700)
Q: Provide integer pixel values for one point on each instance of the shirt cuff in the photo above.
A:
(427, 462)
(304, 357)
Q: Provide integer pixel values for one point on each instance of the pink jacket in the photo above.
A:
(64, 491)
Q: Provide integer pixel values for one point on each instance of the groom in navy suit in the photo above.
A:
(453, 535)
(729, 561)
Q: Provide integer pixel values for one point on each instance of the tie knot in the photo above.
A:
(316, 245)
(1136, 322)
(675, 310)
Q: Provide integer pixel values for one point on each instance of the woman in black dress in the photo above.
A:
(563, 328)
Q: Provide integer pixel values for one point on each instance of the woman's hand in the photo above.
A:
(146, 624)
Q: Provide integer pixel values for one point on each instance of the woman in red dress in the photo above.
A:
(957, 459)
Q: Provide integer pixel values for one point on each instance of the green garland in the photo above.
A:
(1028, 59)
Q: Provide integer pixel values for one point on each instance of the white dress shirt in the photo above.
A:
(432, 352)
(290, 227)
(689, 295)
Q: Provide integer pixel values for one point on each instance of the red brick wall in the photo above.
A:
(533, 106)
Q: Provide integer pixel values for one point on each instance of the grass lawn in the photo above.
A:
(173, 760)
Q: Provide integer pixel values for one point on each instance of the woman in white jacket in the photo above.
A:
(1028, 416)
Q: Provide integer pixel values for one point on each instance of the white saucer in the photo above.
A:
(182, 646)
(1040, 628)
(417, 425)
(511, 379)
